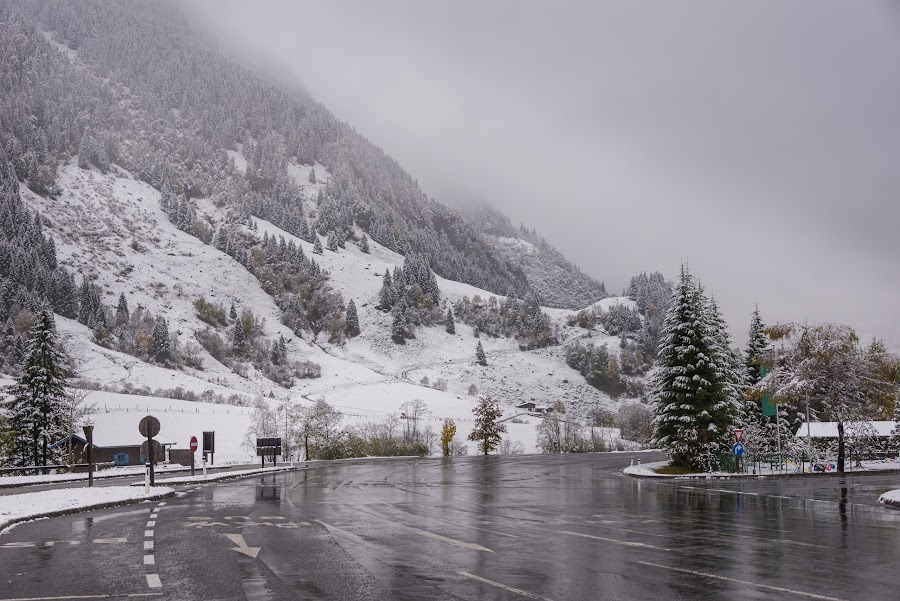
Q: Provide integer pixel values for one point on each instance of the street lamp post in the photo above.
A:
(89, 434)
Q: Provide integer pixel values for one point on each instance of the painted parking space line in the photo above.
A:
(502, 586)
(746, 582)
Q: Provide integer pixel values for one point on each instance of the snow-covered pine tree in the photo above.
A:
(450, 324)
(691, 397)
(312, 175)
(364, 244)
(161, 344)
(233, 312)
(352, 320)
(35, 406)
(486, 431)
(386, 296)
(317, 245)
(122, 314)
(398, 328)
(238, 337)
(755, 346)
(479, 354)
(332, 244)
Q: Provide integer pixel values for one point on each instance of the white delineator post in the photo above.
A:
(204, 466)
(147, 479)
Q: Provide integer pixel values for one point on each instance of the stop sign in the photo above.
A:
(193, 443)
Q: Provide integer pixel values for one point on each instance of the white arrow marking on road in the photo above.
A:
(242, 547)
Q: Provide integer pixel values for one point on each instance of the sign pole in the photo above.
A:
(89, 434)
(778, 431)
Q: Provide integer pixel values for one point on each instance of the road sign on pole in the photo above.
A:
(737, 449)
(738, 434)
(193, 450)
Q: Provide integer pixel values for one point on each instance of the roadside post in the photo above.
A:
(738, 437)
(149, 427)
(193, 450)
(204, 466)
(147, 468)
(89, 435)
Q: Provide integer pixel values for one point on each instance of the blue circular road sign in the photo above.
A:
(737, 449)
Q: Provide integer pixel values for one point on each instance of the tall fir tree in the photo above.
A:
(398, 328)
(386, 296)
(35, 408)
(364, 244)
(479, 354)
(691, 394)
(449, 323)
(332, 241)
(233, 312)
(161, 345)
(122, 314)
(352, 321)
(317, 245)
(239, 337)
(756, 345)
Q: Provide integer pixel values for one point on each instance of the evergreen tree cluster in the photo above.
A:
(697, 389)
(621, 319)
(598, 366)
(523, 320)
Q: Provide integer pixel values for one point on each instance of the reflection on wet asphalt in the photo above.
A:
(519, 527)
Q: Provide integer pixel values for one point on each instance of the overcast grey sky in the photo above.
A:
(759, 141)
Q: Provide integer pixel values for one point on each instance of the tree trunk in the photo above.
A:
(840, 461)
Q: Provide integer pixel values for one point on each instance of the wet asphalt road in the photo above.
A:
(508, 528)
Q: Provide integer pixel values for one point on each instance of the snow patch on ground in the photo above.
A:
(116, 472)
(240, 163)
(891, 497)
(32, 505)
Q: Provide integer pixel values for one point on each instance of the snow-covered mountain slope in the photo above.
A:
(111, 228)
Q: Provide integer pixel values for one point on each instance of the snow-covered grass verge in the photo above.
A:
(116, 472)
(220, 476)
(891, 497)
(50, 503)
(648, 470)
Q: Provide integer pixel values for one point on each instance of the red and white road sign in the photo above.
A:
(193, 443)
(738, 434)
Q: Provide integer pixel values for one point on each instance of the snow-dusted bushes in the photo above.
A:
(510, 317)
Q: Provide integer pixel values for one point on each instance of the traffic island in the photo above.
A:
(891, 497)
(52, 503)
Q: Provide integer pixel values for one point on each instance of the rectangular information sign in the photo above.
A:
(768, 405)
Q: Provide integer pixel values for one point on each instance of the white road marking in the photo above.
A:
(151, 523)
(161, 504)
(148, 545)
(109, 541)
(242, 547)
(150, 560)
(452, 541)
(153, 581)
(503, 586)
(613, 540)
(747, 582)
(148, 533)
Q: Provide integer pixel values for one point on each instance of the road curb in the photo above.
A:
(73, 510)
(754, 476)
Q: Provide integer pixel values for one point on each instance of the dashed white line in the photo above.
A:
(161, 504)
(151, 523)
(148, 533)
(747, 582)
(453, 541)
(613, 540)
(503, 586)
(148, 545)
(153, 581)
(149, 560)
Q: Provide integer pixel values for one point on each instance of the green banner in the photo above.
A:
(768, 405)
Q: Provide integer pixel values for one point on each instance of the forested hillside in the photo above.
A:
(134, 88)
